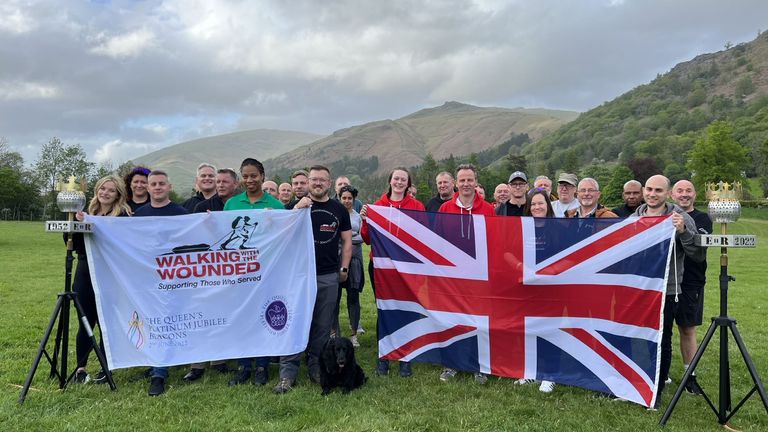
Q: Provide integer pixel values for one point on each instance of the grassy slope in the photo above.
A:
(32, 265)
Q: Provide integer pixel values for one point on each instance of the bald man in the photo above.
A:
(656, 191)
(690, 308)
(270, 187)
(633, 197)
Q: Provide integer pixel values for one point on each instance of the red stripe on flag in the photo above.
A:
(427, 339)
(408, 239)
(601, 245)
(642, 387)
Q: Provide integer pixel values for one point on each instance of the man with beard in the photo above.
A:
(690, 308)
(330, 227)
(445, 190)
(300, 186)
(205, 184)
(518, 186)
(589, 202)
(656, 192)
(633, 197)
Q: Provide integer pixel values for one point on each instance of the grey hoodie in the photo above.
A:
(683, 246)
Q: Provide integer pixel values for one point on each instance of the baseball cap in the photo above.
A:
(571, 179)
(517, 175)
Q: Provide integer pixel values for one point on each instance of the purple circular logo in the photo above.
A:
(276, 315)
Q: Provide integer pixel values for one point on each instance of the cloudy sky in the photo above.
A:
(124, 78)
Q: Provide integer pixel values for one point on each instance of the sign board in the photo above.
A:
(68, 226)
(729, 241)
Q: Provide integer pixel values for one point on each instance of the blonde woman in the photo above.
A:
(109, 200)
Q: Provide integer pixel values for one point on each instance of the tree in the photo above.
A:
(614, 189)
(643, 168)
(450, 165)
(744, 87)
(426, 175)
(718, 156)
(55, 162)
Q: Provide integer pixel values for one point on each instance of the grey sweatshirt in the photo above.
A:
(683, 246)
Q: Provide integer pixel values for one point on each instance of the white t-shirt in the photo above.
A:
(561, 208)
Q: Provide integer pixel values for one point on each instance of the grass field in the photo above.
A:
(32, 262)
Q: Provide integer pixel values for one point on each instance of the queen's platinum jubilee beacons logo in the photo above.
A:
(275, 315)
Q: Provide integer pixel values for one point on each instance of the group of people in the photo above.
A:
(339, 258)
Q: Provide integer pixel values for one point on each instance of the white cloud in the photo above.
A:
(15, 20)
(118, 151)
(19, 90)
(125, 45)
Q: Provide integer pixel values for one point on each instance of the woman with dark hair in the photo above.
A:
(396, 196)
(136, 187)
(109, 200)
(538, 205)
(356, 280)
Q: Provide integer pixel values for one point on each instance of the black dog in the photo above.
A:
(338, 367)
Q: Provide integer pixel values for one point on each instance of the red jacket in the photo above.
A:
(479, 207)
(408, 203)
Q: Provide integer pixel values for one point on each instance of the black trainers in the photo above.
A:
(81, 377)
(382, 367)
(261, 376)
(314, 376)
(156, 386)
(405, 369)
(283, 386)
(241, 377)
(194, 374)
(693, 387)
(101, 378)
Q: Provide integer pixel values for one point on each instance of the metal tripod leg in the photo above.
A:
(41, 348)
(759, 387)
(96, 347)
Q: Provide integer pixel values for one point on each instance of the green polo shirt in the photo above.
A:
(241, 202)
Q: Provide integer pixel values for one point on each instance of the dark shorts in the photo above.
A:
(690, 307)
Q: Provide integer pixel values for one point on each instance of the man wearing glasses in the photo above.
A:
(518, 185)
(589, 206)
(566, 193)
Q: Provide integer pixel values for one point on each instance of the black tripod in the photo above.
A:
(58, 361)
(724, 323)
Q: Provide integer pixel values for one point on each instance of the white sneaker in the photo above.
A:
(447, 374)
(481, 378)
(360, 329)
(524, 381)
(546, 387)
(668, 381)
(354, 341)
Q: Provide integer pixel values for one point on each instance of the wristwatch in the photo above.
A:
(344, 270)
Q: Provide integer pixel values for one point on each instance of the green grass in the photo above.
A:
(32, 263)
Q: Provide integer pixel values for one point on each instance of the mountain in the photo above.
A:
(223, 151)
(659, 122)
(454, 128)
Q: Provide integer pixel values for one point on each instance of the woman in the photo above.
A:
(538, 205)
(396, 196)
(109, 200)
(136, 182)
(356, 280)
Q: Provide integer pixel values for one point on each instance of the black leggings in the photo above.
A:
(84, 289)
(353, 308)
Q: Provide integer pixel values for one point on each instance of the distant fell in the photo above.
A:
(223, 151)
(453, 128)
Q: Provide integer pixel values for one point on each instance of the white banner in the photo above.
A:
(183, 289)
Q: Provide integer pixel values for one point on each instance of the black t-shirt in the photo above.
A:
(135, 206)
(509, 209)
(214, 203)
(170, 209)
(624, 211)
(329, 220)
(192, 202)
(695, 273)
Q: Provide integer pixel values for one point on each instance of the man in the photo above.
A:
(413, 190)
(589, 197)
(300, 185)
(330, 228)
(500, 194)
(633, 197)
(655, 193)
(342, 181)
(254, 197)
(518, 186)
(466, 201)
(205, 185)
(445, 190)
(690, 308)
(480, 191)
(226, 185)
(160, 204)
(566, 188)
(545, 183)
(284, 193)
(270, 187)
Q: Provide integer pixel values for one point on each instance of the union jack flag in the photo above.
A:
(574, 301)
